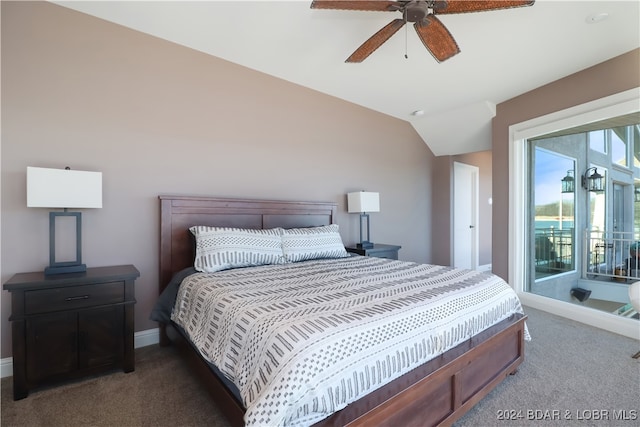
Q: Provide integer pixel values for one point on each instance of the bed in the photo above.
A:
(436, 392)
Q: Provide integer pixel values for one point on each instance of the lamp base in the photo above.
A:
(364, 245)
(78, 268)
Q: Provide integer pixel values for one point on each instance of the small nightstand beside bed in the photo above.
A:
(70, 325)
(313, 335)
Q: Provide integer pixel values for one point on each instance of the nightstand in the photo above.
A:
(378, 250)
(69, 325)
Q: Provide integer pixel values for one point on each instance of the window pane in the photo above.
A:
(597, 141)
(554, 214)
(619, 146)
(636, 210)
(597, 204)
(634, 131)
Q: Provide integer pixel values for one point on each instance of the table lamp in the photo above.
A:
(64, 188)
(363, 202)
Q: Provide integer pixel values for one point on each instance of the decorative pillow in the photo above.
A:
(222, 248)
(301, 244)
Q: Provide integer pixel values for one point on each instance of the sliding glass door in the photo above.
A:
(582, 212)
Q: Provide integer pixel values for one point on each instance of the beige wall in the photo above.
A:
(608, 78)
(482, 160)
(442, 174)
(157, 118)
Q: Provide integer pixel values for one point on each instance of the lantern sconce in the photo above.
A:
(568, 183)
(593, 182)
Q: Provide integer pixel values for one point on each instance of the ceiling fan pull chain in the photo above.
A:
(406, 32)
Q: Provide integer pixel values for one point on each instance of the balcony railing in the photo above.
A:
(554, 251)
(609, 255)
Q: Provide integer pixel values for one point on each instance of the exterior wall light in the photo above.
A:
(593, 182)
(568, 183)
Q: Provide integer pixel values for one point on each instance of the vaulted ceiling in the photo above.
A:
(504, 53)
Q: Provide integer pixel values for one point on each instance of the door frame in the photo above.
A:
(600, 109)
(473, 173)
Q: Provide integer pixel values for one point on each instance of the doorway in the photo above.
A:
(465, 216)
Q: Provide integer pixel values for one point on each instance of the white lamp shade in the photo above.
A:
(363, 201)
(63, 188)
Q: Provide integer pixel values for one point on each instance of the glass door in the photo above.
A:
(583, 202)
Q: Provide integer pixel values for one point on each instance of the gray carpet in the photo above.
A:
(572, 374)
(160, 392)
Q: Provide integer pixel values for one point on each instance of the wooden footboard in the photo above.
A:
(442, 390)
(435, 394)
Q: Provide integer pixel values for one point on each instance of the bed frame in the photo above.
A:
(437, 393)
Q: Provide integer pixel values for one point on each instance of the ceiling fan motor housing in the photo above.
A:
(416, 12)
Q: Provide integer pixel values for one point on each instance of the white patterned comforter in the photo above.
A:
(302, 340)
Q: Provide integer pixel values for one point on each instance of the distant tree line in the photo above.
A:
(553, 209)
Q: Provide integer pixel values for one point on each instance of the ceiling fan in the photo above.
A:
(433, 34)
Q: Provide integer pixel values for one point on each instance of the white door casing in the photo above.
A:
(465, 216)
(612, 106)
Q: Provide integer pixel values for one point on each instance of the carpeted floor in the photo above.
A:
(572, 374)
(161, 392)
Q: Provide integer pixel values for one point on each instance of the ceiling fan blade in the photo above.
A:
(464, 6)
(376, 40)
(436, 38)
(373, 5)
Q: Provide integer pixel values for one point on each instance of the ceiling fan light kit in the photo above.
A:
(435, 37)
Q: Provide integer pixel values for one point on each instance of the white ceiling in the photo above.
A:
(503, 53)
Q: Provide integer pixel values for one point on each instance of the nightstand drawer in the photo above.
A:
(391, 254)
(69, 298)
(379, 250)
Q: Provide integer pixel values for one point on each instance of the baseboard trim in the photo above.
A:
(145, 338)
(140, 339)
(6, 367)
(596, 318)
(485, 267)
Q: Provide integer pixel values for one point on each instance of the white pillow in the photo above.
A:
(222, 248)
(301, 244)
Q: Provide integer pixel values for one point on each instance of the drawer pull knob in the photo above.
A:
(77, 298)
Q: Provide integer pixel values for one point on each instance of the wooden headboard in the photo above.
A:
(178, 213)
